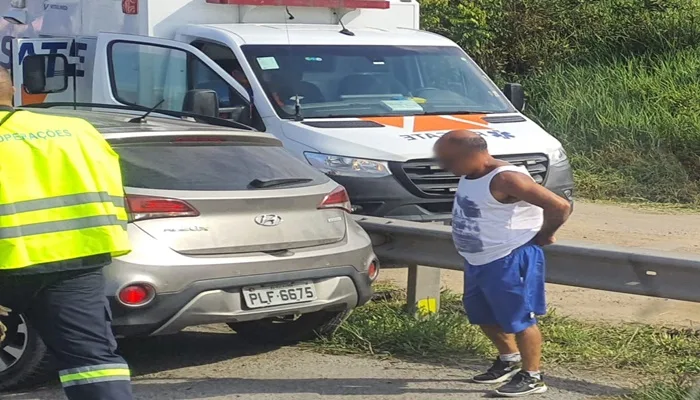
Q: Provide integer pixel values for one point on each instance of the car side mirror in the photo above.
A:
(47, 73)
(201, 102)
(515, 93)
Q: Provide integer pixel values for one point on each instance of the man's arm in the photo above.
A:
(517, 186)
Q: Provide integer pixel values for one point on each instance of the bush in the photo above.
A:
(632, 127)
(616, 80)
(516, 37)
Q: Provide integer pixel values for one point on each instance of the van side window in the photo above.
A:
(144, 74)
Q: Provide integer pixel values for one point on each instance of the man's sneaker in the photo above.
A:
(499, 372)
(522, 384)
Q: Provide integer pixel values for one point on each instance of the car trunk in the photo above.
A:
(226, 197)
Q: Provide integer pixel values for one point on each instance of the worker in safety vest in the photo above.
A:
(62, 219)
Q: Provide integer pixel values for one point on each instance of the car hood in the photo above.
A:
(412, 137)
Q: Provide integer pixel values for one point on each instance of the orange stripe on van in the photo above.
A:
(478, 118)
(396, 122)
(424, 123)
(427, 123)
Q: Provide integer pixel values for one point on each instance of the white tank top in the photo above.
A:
(484, 229)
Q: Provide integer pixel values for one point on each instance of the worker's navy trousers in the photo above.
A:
(72, 315)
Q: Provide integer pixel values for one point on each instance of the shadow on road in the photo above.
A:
(176, 389)
(186, 349)
(579, 386)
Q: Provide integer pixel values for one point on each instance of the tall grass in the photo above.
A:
(384, 328)
(681, 389)
(632, 126)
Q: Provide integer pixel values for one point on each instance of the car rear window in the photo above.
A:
(211, 167)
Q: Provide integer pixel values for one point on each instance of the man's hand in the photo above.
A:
(4, 312)
(511, 185)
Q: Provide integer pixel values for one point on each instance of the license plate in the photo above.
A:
(269, 296)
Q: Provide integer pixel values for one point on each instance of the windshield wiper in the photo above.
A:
(297, 109)
(260, 184)
(142, 119)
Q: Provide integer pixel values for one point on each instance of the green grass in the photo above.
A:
(675, 390)
(632, 127)
(384, 328)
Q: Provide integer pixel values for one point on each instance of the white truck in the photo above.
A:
(352, 87)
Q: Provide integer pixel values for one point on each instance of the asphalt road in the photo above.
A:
(211, 363)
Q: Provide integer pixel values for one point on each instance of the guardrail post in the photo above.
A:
(423, 290)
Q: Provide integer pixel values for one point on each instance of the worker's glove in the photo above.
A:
(4, 312)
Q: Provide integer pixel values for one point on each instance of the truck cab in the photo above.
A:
(352, 87)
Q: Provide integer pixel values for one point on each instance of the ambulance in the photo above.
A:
(352, 87)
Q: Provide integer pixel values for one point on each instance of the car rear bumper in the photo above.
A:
(207, 289)
(220, 300)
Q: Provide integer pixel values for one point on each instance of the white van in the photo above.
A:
(353, 87)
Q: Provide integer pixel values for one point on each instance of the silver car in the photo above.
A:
(226, 227)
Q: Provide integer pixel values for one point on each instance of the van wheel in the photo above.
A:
(23, 357)
(291, 329)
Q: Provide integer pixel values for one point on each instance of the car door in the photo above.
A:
(145, 71)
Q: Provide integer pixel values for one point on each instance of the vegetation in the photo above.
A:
(384, 328)
(675, 390)
(632, 126)
(615, 80)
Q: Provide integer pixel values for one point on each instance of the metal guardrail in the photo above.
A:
(610, 268)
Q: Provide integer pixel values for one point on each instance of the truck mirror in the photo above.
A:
(45, 73)
(514, 92)
(201, 102)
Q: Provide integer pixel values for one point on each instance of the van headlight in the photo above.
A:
(348, 166)
(557, 156)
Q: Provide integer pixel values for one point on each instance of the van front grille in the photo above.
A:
(427, 177)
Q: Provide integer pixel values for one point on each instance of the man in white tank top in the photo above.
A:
(501, 217)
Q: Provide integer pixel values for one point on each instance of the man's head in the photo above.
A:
(462, 152)
(7, 92)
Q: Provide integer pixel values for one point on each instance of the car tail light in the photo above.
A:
(373, 270)
(138, 294)
(338, 198)
(148, 207)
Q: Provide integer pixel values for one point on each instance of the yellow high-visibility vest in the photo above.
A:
(61, 193)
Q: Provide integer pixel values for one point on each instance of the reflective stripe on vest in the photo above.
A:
(60, 201)
(94, 374)
(63, 196)
(63, 213)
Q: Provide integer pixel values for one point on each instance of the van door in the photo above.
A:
(44, 70)
(146, 71)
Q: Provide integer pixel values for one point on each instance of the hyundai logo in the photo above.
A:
(268, 220)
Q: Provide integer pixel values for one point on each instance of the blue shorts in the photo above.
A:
(508, 292)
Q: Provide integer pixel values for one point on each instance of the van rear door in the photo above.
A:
(145, 71)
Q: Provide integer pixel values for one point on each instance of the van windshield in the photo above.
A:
(357, 81)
